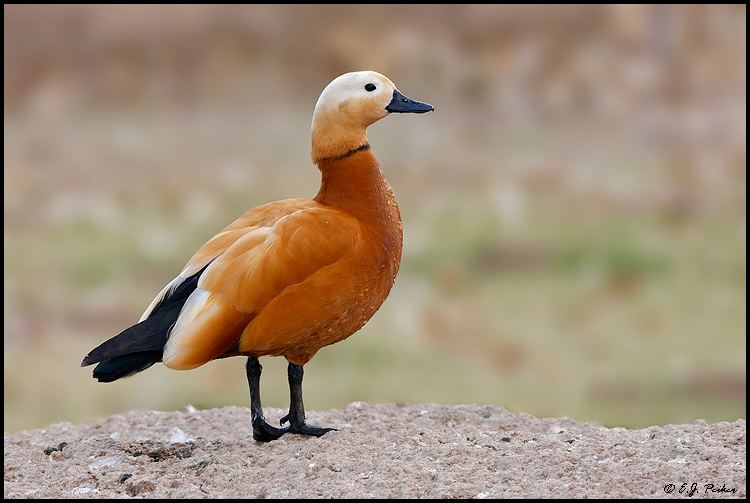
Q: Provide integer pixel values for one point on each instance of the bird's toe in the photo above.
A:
(264, 432)
(306, 429)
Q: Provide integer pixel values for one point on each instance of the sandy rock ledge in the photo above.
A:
(464, 451)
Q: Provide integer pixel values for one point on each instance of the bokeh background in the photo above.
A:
(574, 211)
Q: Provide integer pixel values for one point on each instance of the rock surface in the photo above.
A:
(379, 451)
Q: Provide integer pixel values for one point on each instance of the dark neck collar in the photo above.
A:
(349, 153)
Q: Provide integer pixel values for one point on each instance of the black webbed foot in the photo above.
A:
(296, 416)
(305, 429)
(264, 432)
(310, 430)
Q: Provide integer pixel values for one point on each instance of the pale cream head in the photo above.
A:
(356, 99)
(350, 104)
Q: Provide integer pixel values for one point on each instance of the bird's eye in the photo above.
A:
(370, 87)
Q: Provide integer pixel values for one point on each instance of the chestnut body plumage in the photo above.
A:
(288, 277)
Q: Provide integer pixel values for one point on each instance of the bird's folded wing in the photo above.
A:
(257, 267)
(262, 216)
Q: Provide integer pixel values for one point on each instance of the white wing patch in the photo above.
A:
(195, 314)
(194, 304)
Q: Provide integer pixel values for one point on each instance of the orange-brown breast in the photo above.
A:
(293, 276)
(339, 299)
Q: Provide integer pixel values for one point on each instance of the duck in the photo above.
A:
(288, 277)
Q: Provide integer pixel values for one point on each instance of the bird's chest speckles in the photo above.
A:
(368, 287)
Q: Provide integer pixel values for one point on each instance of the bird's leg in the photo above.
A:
(296, 416)
(262, 431)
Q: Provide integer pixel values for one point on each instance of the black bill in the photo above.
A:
(403, 105)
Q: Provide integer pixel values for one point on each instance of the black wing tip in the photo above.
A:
(118, 367)
(149, 335)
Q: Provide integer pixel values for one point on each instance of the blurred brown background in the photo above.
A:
(574, 211)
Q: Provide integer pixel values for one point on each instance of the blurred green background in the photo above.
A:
(574, 211)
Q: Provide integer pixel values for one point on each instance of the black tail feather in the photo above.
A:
(138, 347)
(125, 365)
(149, 335)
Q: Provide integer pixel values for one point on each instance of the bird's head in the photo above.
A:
(351, 103)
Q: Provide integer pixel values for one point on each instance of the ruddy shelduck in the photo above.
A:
(288, 277)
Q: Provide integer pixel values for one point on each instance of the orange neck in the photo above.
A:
(355, 183)
(334, 135)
